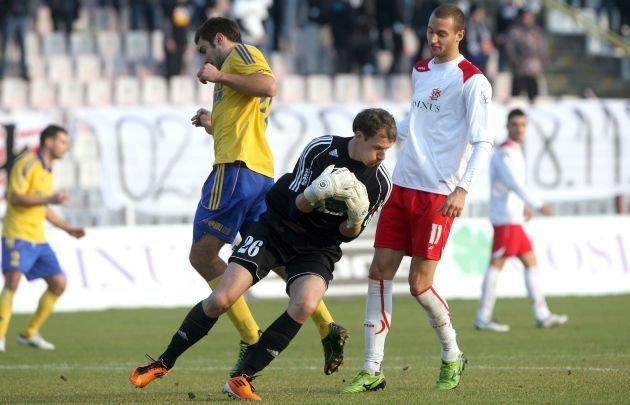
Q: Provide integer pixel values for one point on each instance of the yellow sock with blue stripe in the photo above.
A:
(241, 317)
(322, 319)
(44, 309)
(6, 307)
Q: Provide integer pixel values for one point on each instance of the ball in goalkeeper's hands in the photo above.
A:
(335, 205)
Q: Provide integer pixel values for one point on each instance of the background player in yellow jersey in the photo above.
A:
(24, 248)
(233, 196)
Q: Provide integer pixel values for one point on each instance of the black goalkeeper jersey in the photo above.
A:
(321, 227)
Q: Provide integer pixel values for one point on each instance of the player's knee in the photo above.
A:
(301, 311)
(218, 304)
(419, 288)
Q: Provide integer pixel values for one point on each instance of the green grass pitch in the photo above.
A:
(585, 361)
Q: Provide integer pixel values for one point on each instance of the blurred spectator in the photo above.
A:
(14, 16)
(389, 20)
(526, 49)
(144, 14)
(506, 17)
(64, 13)
(250, 15)
(216, 8)
(478, 40)
(177, 18)
(419, 20)
(351, 22)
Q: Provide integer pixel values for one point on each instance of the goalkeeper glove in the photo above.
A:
(358, 205)
(333, 182)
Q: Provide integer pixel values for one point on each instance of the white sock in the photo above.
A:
(536, 297)
(488, 294)
(378, 315)
(439, 316)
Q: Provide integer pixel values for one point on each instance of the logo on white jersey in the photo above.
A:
(333, 153)
(435, 94)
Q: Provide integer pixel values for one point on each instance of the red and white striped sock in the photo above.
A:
(378, 315)
(439, 316)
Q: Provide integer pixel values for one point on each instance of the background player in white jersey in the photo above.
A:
(510, 206)
(447, 141)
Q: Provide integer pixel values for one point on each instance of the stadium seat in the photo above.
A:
(126, 91)
(319, 89)
(153, 90)
(157, 45)
(291, 89)
(41, 94)
(181, 90)
(108, 44)
(205, 93)
(37, 68)
(14, 94)
(33, 51)
(347, 88)
(137, 46)
(59, 68)
(81, 43)
(99, 92)
(88, 67)
(54, 43)
(400, 87)
(372, 88)
(70, 94)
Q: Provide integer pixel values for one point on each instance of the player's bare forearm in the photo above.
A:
(349, 232)
(255, 85)
(303, 204)
(25, 200)
(59, 222)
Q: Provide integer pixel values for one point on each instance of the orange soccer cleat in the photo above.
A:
(144, 375)
(240, 387)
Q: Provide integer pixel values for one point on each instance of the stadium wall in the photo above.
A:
(124, 267)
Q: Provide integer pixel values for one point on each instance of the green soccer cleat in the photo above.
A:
(243, 350)
(333, 347)
(364, 381)
(450, 372)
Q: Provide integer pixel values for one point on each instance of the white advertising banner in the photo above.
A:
(148, 266)
(153, 160)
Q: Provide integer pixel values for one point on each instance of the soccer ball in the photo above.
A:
(333, 205)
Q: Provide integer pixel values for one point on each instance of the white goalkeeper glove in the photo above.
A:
(358, 205)
(333, 182)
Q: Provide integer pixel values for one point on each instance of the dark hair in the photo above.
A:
(50, 131)
(214, 25)
(451, 11)
(370, 121)
(517, 112)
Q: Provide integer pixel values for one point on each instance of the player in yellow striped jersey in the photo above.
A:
(24, 248)
(233, 196)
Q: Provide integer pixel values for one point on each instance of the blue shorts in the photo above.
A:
(35, 260)
(232, 198)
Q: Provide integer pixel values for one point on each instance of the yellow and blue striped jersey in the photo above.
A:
(29, 176)
(239, 121)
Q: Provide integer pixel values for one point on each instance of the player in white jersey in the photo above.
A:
(510, 206)
(447, 141)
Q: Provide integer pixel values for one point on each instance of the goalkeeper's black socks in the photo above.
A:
(196, 325)
(274, 340)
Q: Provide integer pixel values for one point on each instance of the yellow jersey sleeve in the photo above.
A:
(239, 121)
(30, 177)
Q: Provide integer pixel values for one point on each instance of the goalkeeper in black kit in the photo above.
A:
(335, 188)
